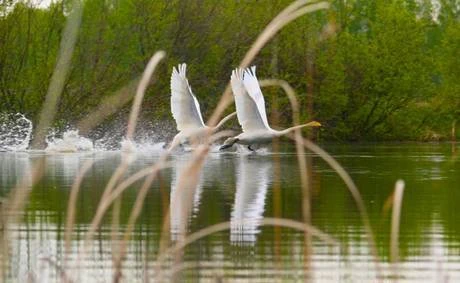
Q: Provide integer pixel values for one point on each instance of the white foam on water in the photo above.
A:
(15, 132)
(133, 146)
(128, 145)
(144, 141)
(71, 141)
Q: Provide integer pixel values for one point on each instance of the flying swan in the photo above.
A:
(186, 110)
(250, 109)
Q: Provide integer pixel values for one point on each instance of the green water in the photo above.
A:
(233, 187)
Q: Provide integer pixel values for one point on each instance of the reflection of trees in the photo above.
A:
(428, 199)
(14, 168)
(449, 194)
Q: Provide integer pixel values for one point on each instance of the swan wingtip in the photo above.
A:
(251, 71)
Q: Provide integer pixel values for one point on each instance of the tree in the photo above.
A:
(386, 68)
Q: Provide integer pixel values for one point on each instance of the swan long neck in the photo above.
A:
(225, 119)
(288, 130)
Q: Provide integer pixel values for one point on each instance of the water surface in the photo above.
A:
(235, 187)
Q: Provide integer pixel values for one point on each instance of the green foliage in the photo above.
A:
(365, 78)
(368, 70)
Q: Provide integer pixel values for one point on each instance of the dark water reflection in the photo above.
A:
(233, 187)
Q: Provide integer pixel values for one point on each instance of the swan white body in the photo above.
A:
(186, 110)
(250, 109)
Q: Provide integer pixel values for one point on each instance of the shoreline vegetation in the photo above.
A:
(367, 70)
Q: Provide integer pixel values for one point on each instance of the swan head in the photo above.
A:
(314, 124)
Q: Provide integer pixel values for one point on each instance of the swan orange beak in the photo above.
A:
(314, 124)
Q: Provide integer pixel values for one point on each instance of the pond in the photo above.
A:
(243, 190)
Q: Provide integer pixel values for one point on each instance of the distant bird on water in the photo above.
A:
(186, 110)
(250, 109)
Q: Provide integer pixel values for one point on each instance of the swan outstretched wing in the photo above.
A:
(246, 109)
(184, 105)
(253, 88)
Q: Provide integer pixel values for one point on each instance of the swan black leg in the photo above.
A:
(228, 143)
(225, 146)
(249, 147)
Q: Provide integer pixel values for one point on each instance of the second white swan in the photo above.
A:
(250, 109)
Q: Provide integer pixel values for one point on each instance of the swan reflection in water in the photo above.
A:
(253, 177)
(184, 200)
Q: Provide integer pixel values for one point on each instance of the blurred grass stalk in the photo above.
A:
(276, 188)
(289, 14)
(303, 166)
(301, 142)
(67, 45)
(128, 148)
(183, 196)
(193, 237)
(144, 82)
(355, 194)
(112, 193)
(395, 223)
(13, 208)
(18, 196)
(71, 206)
(107, 107)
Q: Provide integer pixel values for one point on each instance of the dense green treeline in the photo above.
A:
(368, 70)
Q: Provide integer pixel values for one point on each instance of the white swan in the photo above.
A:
(250, 109)
(186, 109)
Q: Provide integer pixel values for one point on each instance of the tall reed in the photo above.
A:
(189, 239)
(302, 161)
(18, 196)
(395, 221)
(293, 11)
(56, 86)
(14, 205)
(301, 143)
(111, 193)
(71, 206)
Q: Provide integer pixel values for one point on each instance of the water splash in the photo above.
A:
(149, 136)
(15, 132)
(70, 142)
(127, 145)
(145, 146)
